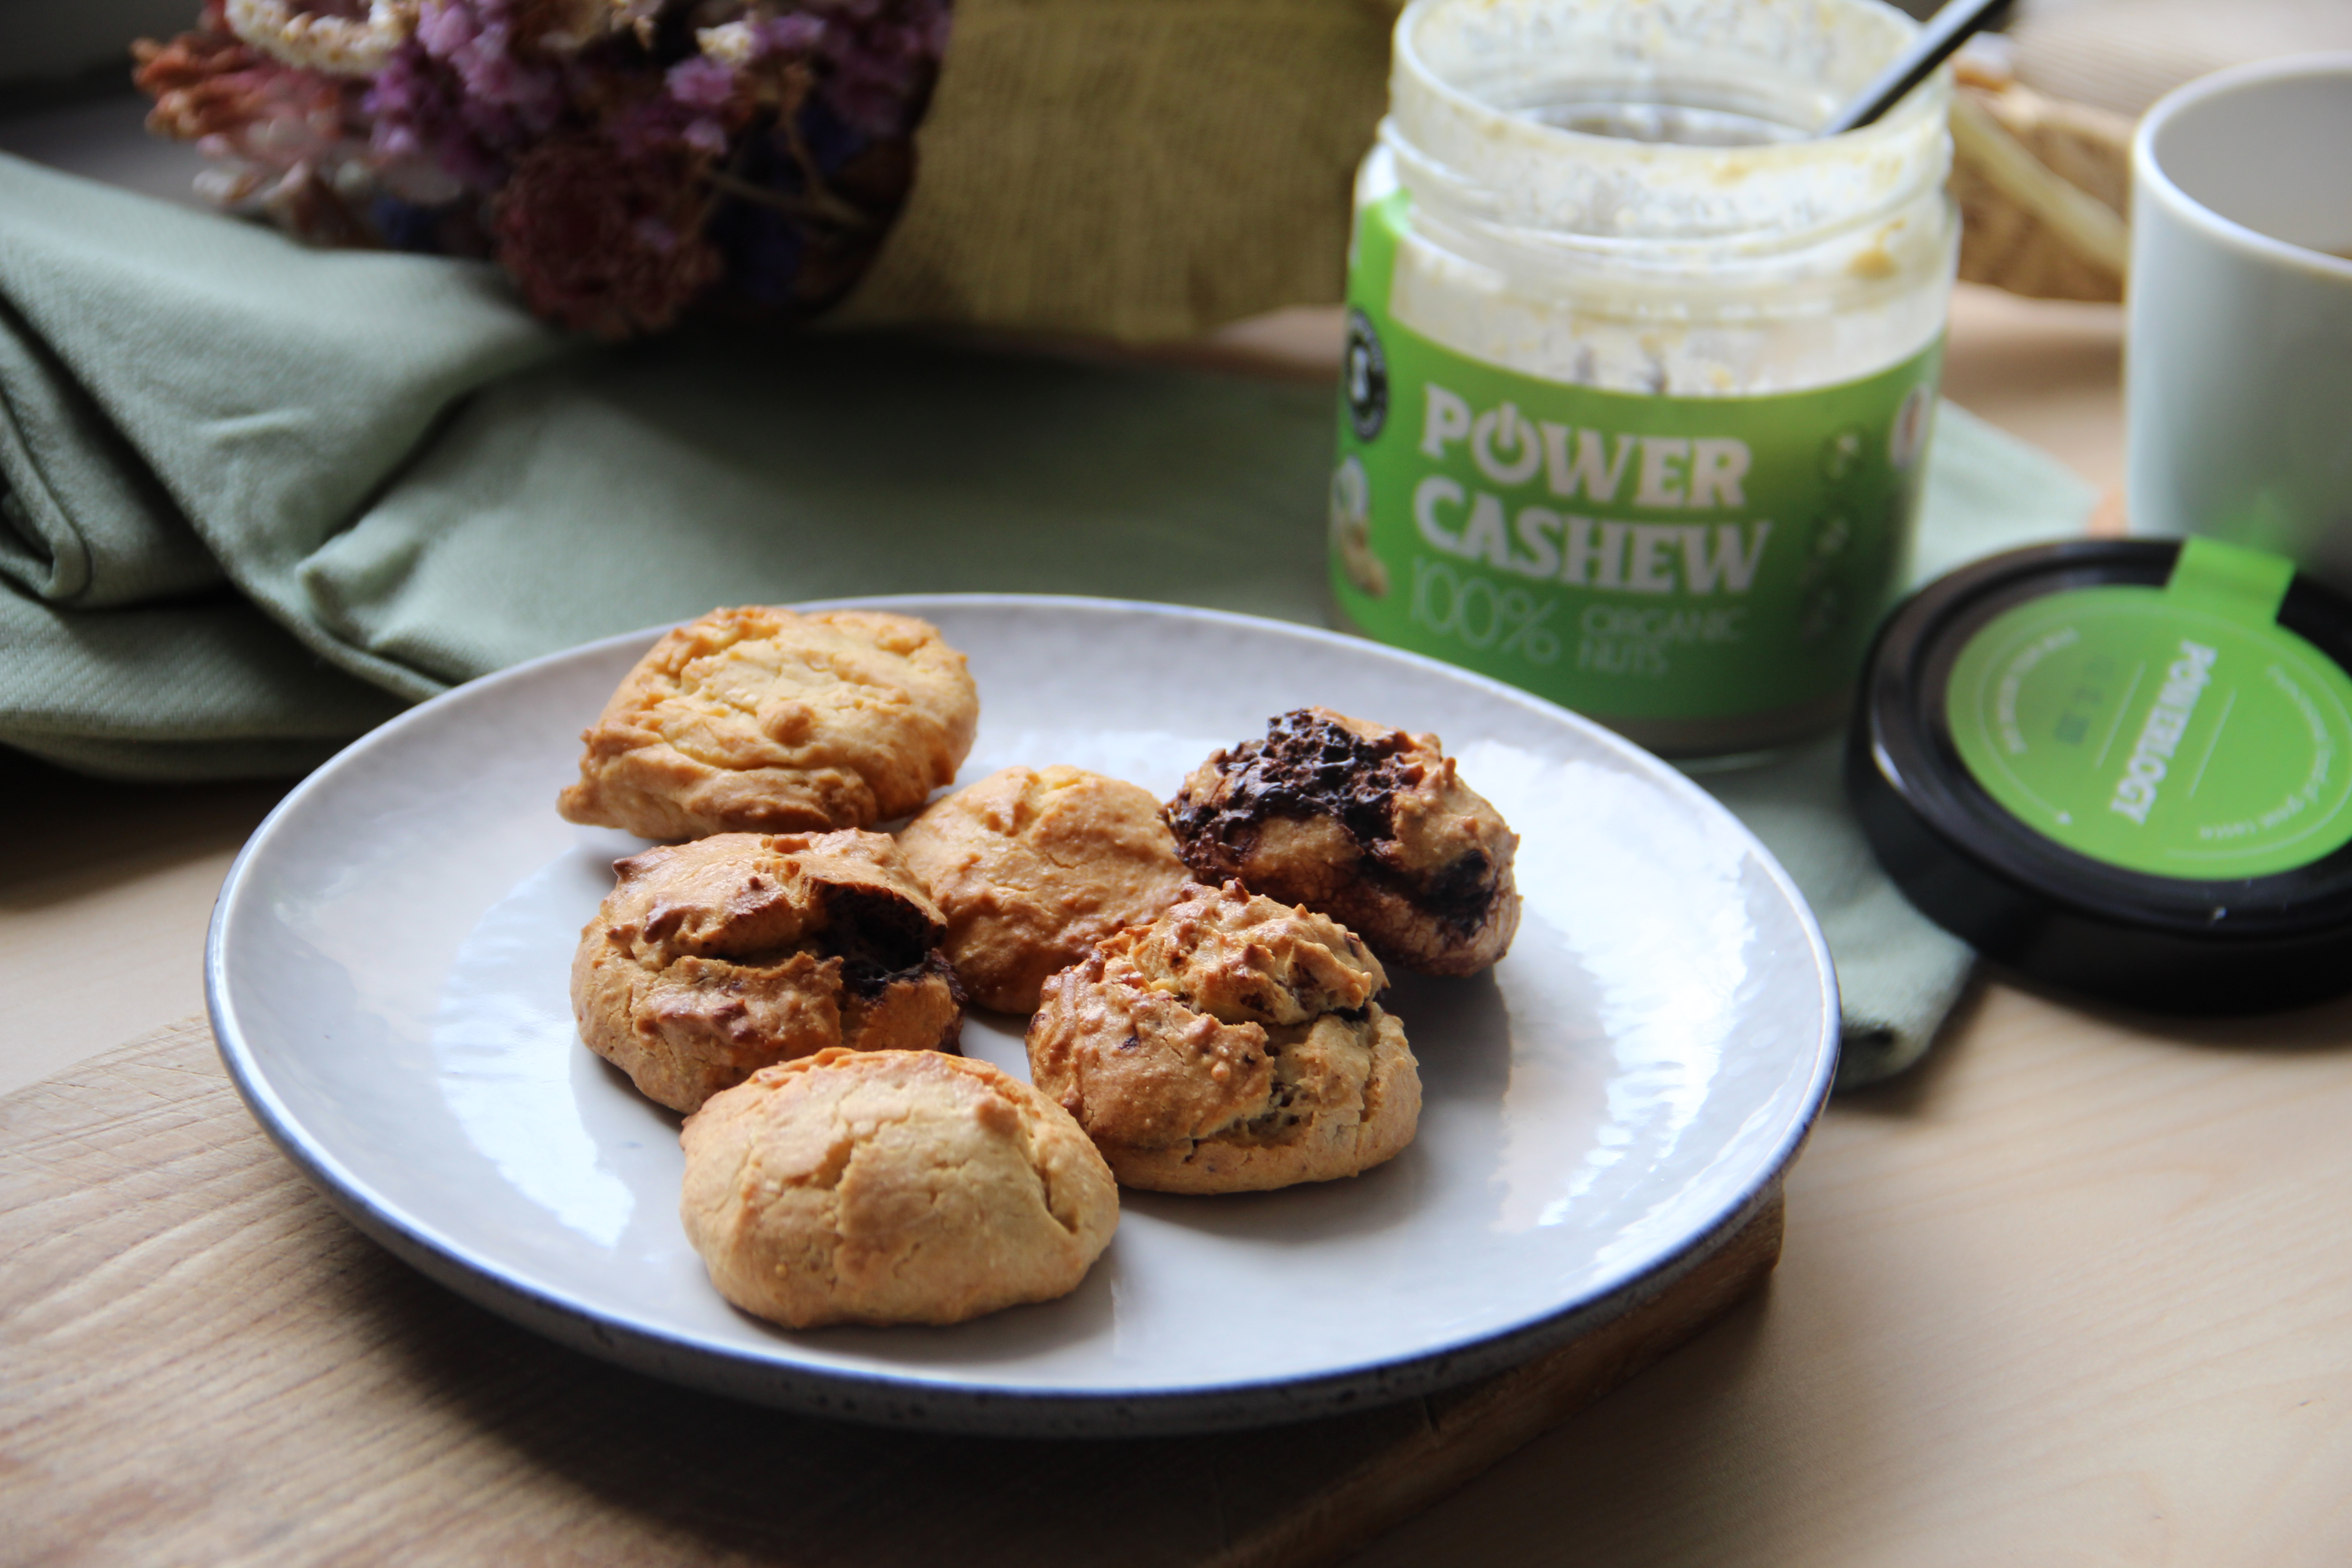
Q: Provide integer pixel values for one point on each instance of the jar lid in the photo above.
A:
(2124, 767)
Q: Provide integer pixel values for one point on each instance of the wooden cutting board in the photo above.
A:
(201, 1362)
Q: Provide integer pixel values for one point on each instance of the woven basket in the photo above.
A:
(2043, 187)
(2042, 124)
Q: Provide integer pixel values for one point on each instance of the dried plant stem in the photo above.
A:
(818, 206)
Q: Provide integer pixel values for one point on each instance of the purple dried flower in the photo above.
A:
(708, 86)
(476, 38)
(794, 33)
(874, 73)
(702, 83)
(442, 30)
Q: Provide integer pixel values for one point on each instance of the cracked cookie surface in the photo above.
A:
(712, 959)
(1233, 1045)
(1367, 825)
(1032, 867)
(760, 720)
(891, 1187)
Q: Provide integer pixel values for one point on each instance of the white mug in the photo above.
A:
(2238, 381)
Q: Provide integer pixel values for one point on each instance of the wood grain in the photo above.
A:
(201, 1362)
(2075, 1294)
(71, 878)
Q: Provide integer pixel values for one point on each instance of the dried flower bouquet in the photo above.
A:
(622, 159)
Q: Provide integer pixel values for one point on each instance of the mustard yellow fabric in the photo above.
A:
(1138, 170)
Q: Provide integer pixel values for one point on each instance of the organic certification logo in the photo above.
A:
(1367, 371)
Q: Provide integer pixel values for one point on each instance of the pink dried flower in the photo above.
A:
(286, 131)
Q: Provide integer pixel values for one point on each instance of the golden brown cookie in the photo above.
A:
(1232, 1045)
(713, 959)
(891, 1187)
(761, 720)
(1032, 867)
(1369, 824)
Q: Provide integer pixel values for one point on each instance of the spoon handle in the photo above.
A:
(1945, 31)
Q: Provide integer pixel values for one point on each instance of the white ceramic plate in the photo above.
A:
(388, 973)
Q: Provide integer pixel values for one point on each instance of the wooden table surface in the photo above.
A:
(2076, 1291)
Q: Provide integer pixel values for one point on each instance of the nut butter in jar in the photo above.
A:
(1640, 375)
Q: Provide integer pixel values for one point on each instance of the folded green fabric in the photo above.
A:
(257, 496)
(1898, 973)
(189, 408)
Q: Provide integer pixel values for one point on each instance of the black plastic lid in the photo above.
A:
(2277, 938)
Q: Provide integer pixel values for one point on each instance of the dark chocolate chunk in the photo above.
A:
(1306, 766)
(881, 938)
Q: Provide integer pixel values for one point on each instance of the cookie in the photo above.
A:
(1033, 866)
(761, 720)
(1233, 1045)
(714, 959)
(891, 1187)
(1369, 824)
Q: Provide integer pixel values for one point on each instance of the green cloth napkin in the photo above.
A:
(1899, 973)
(256, 498)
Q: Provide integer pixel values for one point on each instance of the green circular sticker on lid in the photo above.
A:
(2179, 730)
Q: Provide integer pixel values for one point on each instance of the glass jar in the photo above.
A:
(1640, 375)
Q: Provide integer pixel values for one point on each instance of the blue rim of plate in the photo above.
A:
(933, 1405)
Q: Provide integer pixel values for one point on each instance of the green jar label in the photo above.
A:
(1630, 557)
(2180, 731)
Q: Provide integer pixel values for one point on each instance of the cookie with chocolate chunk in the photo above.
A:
(759, 719)
(1233, 1045)
(713, 959)
(1367, 825)
(891, 1187)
